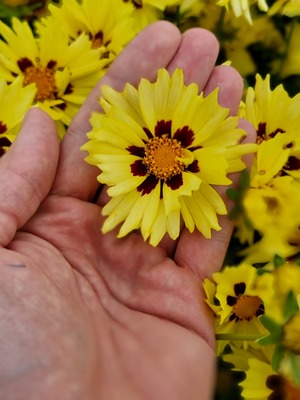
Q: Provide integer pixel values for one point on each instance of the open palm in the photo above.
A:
(89, 316)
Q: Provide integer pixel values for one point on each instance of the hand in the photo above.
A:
(89, 316)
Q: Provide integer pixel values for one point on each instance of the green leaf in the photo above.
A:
(275, 331)
(291, 306)
(277, 357)
(244, 180)
(278, 261)
(233, 194)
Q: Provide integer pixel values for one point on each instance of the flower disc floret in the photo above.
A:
(162, 157)
(45, 82)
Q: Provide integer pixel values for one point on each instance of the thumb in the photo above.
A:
(27, 171)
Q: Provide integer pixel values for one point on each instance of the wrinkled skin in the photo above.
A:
(85, 315)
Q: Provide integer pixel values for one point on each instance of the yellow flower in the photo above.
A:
(291, 334)
(63, 73)
(261, 381)
(271, 202)
(147, 11)
(290, 8)
(238, 296)
(108, 24)
(242, 7)
(272, 112)
(287, 278)
(160, 148)
(14, 102)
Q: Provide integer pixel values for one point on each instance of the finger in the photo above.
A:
(27, 171)
(230, 85)
(152, 49)
(196, 56)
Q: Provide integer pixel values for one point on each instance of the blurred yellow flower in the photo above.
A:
(291, 334)
(261, 381)
(271, 202)
(242, 7)
(238, 296)
(290, 8)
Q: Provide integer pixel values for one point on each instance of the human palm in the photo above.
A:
(86, 315)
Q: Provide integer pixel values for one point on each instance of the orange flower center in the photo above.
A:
(162, 157)
(246, 307)
(44, 80)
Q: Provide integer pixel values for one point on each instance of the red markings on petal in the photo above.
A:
(136, 151)
(185, 136)
(3, 129)
(148, 185)
(193, 167)
(24, 63)
(293, 164)
(175, 182)
(163, 128)
(138, 168)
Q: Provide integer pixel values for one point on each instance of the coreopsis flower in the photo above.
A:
(278, 219)
(62, 78)
(286, 279)
(237, 39)
(242, 7)
(147, 11)
(261, 381)
(290, 8)
(291, 334)
(108, 24)
(274, 190)
(14, 102)
(238, 296)
(160, 148)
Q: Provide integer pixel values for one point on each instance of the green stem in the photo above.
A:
(249, 337)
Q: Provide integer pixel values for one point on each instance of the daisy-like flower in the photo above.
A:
(242, 7)
(160, 148)
(290, 8)
(14, 102)
(287, 278)
(274, 191)
(147, 11)
(63, 73)
(237, 38)
(261, 381)
(238, 296)
(276, 204)
(291, 334)
(108, 24)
